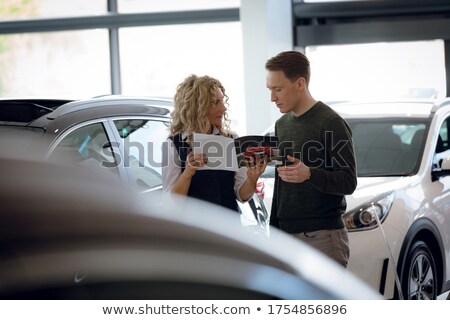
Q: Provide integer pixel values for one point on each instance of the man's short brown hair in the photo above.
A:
(294, 65)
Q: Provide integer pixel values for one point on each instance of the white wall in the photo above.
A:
(267, 30)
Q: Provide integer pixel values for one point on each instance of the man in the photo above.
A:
(308, 200)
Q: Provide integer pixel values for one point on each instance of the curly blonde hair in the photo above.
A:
(192, 102)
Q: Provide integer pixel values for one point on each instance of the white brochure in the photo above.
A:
(220, 150)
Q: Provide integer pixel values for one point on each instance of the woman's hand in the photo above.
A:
(193, 162)
(255, 168)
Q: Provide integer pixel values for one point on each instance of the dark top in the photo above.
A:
(323, 141)
(216, 186)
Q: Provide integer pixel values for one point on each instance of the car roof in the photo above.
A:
(110, 100)
(41, 113)
(379, 109)
(411, 108)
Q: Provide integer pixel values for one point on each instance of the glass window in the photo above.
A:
(14, 9)
(443, 145)
(143, 141)
(378, 70)
(88, 146)
(56, 64)
(387, 147)
(443, 140)
(128, 6)
(383, 147)
(152, 65)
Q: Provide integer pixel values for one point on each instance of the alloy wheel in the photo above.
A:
(420, 279)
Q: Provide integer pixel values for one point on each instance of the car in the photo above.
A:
(398, 218)
(122, 136)
(71, 233)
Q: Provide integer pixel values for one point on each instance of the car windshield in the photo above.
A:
(388, 147)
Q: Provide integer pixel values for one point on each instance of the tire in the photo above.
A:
(419, 280)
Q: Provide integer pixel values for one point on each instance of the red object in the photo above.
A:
(263, 150)
(260, 188)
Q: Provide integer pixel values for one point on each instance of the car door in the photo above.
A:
(87, 144)
(442, 184)
(141, 140)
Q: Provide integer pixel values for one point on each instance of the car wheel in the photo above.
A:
(419, 281)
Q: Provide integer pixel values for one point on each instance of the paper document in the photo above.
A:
(220, 150)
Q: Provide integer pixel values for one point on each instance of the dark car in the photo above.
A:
(70, 233)
(121, 136)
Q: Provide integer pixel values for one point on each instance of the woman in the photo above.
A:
(200, 107)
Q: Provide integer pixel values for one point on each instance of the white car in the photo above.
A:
(399, 216)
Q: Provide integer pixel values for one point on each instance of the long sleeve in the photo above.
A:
(338, 176)
(322, 140)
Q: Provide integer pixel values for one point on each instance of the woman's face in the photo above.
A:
(217, 109)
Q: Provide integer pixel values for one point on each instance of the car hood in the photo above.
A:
(371, 187)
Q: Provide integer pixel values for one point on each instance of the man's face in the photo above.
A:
(283, 92)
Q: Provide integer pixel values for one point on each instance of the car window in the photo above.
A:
(21, 111)
(442, 145)
(387, 147)
(142, 139)
(87, 146)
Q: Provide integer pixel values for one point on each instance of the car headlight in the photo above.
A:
(364, 217)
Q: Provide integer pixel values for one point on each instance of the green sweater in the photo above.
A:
(323, 141)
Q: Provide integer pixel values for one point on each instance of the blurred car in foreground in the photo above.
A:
(67, 233)
(121, 136)
(402, 155)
